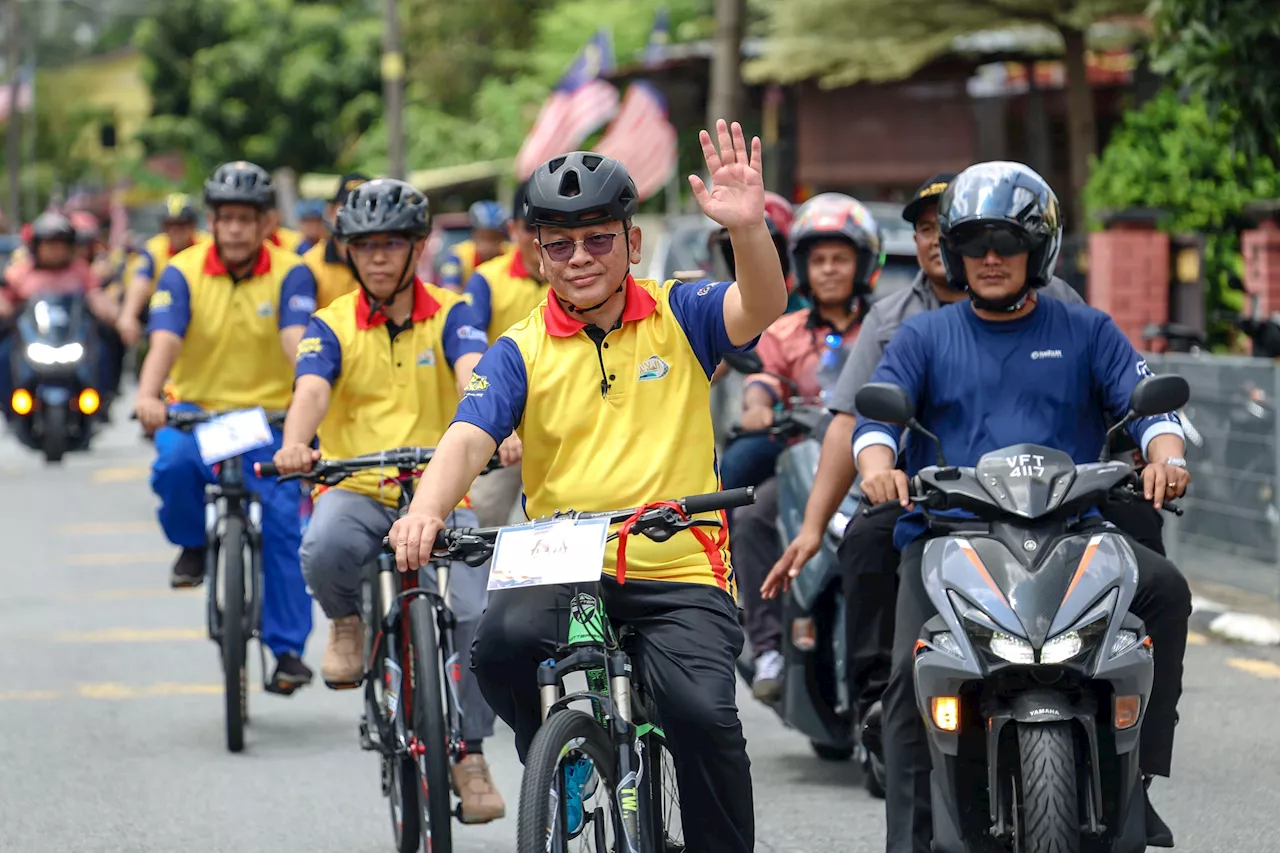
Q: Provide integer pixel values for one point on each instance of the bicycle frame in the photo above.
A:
(230, 497)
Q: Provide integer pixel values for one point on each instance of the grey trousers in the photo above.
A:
(496, 497)
(345, 533)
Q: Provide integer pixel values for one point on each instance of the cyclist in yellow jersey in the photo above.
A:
(225, 322)
(311, 223)
(363, 396)
(608, 386)
(178, 230)
(488, 240)
(328, 258)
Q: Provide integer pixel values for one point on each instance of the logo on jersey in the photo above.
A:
(471, 333)
(427, 358)
(1142, 368)
(1046, 353)
(161, 300)
(653, 368)
(265, 309)
(706, 288)
(302, 304)
(309, 346)
(478, 384)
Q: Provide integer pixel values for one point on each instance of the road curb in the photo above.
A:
(1234, 626)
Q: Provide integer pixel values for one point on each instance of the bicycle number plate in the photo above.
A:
(232, 434)
(561, 551)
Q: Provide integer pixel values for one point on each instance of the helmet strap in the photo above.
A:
(1005, 305)
(376, 304)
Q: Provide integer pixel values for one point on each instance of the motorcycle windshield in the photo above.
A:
(52, 319)
(1026, 479)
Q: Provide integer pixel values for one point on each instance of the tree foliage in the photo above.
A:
(1226, 51)
(1175, 156)
(281, 82)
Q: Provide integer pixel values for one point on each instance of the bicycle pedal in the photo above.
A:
(342, 685)
(367, 743)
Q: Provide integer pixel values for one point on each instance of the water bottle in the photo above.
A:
(829, 364)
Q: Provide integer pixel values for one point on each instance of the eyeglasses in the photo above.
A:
(1003, 241)
(368, 247)
(596, 245)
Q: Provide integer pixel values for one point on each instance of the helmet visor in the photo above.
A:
(986, 193)
(975, 240)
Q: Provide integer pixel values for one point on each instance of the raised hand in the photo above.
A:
(736, 197)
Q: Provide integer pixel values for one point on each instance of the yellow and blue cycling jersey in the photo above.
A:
(287, 239)
(155, 255)
(333, 276)
(231, 355)
(460, 263)
(503, 292)
(391, 387)
(618, 423)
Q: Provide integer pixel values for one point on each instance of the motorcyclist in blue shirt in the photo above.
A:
(1010, 365)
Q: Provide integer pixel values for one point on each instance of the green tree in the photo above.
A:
(1175, 156)
(281, 82)
(841, 42)
(1226, 51)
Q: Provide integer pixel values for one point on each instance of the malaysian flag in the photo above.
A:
(579, 104)
(643, 139)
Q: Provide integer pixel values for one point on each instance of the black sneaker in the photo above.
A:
(1158, 832)
(291, 673)
(188, 570)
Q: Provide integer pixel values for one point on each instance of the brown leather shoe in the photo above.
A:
(343, 664)
(481, 801)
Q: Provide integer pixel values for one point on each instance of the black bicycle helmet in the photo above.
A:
(580, 188)
(1001, 195)
(240, 182)
(383, 206)
(52, 226)
(835, 216)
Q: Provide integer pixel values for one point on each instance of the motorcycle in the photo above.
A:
(54, 373)
(1034, 677)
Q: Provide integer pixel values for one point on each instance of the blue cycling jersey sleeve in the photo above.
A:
(1118, 368)
(463, 332)
(699, 309)
(904, 364)
(319, 352)
(479, 295)
(170, 307)
(495, 397)
(451, 270)
(147, 269)
(297, 296)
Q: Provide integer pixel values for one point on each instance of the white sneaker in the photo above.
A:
(767, 684)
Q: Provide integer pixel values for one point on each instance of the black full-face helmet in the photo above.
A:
(1004, 206)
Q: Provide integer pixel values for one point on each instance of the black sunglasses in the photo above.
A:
(976, 243)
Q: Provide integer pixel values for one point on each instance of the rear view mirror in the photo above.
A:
(744, 362)
(881, 401)
(1159, 395)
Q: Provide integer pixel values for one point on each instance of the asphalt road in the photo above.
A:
(111, 721)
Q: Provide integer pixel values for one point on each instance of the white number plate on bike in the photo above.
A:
(561, 551)
(232, 434)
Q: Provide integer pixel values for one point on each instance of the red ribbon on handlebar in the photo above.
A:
(708, 544)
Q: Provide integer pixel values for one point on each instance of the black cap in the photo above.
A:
(348, 183)
(929, 193)
(517, 202)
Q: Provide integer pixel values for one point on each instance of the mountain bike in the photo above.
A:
(621, 741)
(233, 581)
(412, 675)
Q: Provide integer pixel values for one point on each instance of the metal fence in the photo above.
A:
(1230, 533)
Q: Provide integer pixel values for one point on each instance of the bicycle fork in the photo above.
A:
(448, 624)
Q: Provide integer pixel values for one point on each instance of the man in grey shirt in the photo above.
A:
(867, 555)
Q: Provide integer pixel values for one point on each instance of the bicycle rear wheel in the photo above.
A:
(435, 795)
(664, 793)
(567, 736)
(234, 638)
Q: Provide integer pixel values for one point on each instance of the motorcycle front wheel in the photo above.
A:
(1049, 821)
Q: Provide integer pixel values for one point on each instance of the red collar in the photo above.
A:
(517, 268)
(213, 262)
(424, 305)
(275, 238)
(640, 304)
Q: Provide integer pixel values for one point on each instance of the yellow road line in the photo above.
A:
(147, 558)
(115, 690)
(28, 695)
(133, 474)
(1195, 639)
(93, 528)
(143, 592)
(1253, 666)
(133, 635)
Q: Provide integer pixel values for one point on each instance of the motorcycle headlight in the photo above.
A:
(944, 641)
(1011, 648)
(1062, 648)
(42, 353)
(1124, 641)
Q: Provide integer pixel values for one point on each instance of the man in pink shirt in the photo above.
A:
(837, 256)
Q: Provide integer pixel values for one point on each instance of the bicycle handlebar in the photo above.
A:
(475, 544)
(330, 471)
(188, 420)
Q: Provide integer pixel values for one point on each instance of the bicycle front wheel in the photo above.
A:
(234, 638)
(571, 748)
(435, 793)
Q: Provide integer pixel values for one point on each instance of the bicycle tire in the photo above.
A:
(563, 732)
(234, 641)
(435, 795)
(664, 794)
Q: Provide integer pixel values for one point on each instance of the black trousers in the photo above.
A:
(756, 547)
(688, 639)
(1162, 601)
(869, 570)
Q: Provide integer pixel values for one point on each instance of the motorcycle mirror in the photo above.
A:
(1159, 395)
(885, 402)
(744, 362)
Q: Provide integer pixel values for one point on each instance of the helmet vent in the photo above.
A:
(569, 184)
(592, 161)
(555, 164)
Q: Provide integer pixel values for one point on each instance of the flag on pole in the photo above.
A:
(659, 37)
(643, 139)
(579, 104)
